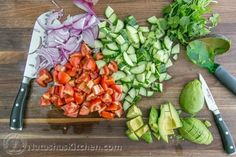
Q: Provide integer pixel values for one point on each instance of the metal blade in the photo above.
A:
(37, 39)
(211, 104)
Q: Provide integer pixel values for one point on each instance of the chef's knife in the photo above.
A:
(227, 140)
(38, 37)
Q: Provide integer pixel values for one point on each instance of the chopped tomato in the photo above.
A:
(107, 115)
(71, 110)
(71, 72)
(97, 90)
(104, 84)
(75, 61)
(68, 90)
(83, 87)
(76, 54)
(95, 106)
(106, 70)
(97, 80)
(112, 107)
(63, 77)
(83, 78)
(44, 102)
(116, 96)
(60, 68)
(79, 98)
(106, 98)
(109, 91)
(90, 97)
(40, 82)
(96, 101)
(55, 76)
(90, 64)
(90, 84)
(72, 83)
(68, 65)
(117, 88)
(46, 95)
(110, 81)
(119, 112)
(84, 110)
(51, 90)
(69, 99)
(113, 66)
(44, 77)
(98, 56)
(85, 50)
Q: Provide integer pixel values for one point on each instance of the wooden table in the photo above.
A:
(58, 135)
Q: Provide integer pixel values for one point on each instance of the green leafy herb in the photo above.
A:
(186, 19)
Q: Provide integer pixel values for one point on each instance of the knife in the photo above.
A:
(226, 137)
(38, 37)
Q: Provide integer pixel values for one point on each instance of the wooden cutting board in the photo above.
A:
(45, 128)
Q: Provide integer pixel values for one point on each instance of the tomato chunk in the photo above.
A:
(63, 77)
(107, 115)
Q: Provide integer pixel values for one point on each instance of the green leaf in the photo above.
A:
(214, 19)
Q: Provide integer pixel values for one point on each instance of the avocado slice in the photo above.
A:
(162, 124)
(156, 135)
(132, 136)
(133, 112)
(154, 127)
(147, 137)
(175, 117)
(153, 119)
(135, 123)
(142, 130)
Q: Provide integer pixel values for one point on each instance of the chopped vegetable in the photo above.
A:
(84, 89)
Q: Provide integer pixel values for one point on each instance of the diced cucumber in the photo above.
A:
(125, 88)
(124, 47)
(127, 59)
(101, 35)
(133, 57)
(176, 49)
(129, 99)
(131, 30)
(141, 37)
(112, 46)
(162, 77)
(152, 20)
(113, 35)
(98, 44)
(100, 63)
(144, 29)
(122, 66)
(149, 73)
(132, 93)
(102, 24)
(128, 78)
(118, 75)
(152, 78)
(160, 56)
(126, 105)
(168, 43)
(127, 70)
(143, 91)
(138, 69)
(120, 40)
(168, 77)
(157, 45)
(130, 20)
(169, 63)
(141, 77)
(109, 11)
(153, 68)
(136, 45)
(134, 38)
(119, 26)
(113, 18)
(150, 93)
(131, 50)
(175, 57)
(107, 52)
(122, 97)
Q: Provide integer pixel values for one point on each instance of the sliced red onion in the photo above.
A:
(64, 38)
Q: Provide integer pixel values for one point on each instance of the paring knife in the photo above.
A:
(38, 37)
(226, 137)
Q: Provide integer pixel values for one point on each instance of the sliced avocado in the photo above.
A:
(147, 137)
(132, 136)
(135, 123)
(161, 125)
(153, 116)
(142, 130)
(133, 112)
(154, 127)
(170, 132)
(175, 117)
(156, 135)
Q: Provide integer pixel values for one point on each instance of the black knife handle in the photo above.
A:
(226, 137)
(17, 113)
(226, 78)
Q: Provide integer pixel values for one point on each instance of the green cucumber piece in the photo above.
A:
(132, 93)
(168, 43)
(129, 99)
(109, 11)
(127, 59)
(133, 58)
(113, 18)
(98, 44)
(138, 69)
(126, 105)
(141, 77)
(112, 46)
(102, 24)
(128, 78)
(131, 50)
(118, 75)
(143, 91)
(124, 47)
(175, 49)
(100, 63)
(107, 52)
(119, 26)
(130, 20)
(120, 40)
(152, 20)
(143, 29)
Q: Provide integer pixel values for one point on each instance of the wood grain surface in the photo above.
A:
(48, 133)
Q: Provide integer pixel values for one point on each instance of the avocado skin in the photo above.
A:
(195, 131)
(191, 97)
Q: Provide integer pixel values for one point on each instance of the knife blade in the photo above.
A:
(226, 137)
(37, 39)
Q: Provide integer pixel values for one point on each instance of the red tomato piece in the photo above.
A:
(63, 77)
(106, 70)
(95, 105)
(107, 115)
(51, 90)
(116, 96)
(55, 76)
(115, 66)
(61, 91)
(71, 109)
(104, 84)
(46, 95)
(44, 102)
(72, 72)
(106, 98)
(90, 64)
(98, 56)
(75, 61)
(97, 89)
(96, 101)
(69, 99)
(110, 81)
(90, 97)
(60, 102)
(109, 91)
(76, 54)
(72, 83)
(90, 84)
(84, 110)
(117, 88)
(97, 80)
(85, 50)
(68, 65)
(40, 82)
(68, 90)
(79, 98)
(112, 107)
(60, 68)
(83, 87)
